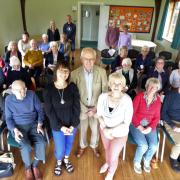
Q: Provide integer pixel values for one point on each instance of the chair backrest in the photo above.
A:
(133, 53)
(167, 55)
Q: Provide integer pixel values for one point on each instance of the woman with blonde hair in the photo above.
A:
(147, 106)
(53, 32)
(114, 111)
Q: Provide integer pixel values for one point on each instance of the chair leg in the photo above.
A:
(124, 152)
(2, 142)
(157, 152)
(47, 137)
(8, 146)
(163, 146)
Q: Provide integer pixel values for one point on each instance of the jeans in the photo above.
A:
(63, 143)
(146, 144)
(31, 137)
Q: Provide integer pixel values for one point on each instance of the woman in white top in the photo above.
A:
(114, 112)
(175, 77)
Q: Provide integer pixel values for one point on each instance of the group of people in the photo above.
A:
(33, 56)
(85, 98)
(112, 107)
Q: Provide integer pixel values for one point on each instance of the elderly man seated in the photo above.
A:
(171, 116)
(24, 118)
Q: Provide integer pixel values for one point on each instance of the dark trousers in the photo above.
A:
(31, 137)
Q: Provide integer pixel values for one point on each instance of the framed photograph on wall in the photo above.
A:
(139, 19)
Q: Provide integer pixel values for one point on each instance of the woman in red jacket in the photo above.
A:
(146, 116)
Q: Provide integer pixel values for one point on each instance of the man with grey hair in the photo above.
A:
(91, 81)
(24, 118)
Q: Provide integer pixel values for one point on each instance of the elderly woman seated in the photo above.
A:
(130, 76)
(44, 46)
(12, 51)
(146, 115)
(33, 61)
(143, 61)
(117, 64)
(174, 78)
(16, 72)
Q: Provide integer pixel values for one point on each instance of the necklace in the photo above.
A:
(61, 96)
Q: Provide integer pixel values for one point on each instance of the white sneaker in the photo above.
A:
(103, 168)
(147, 168)
(109, 176)
(137, 169)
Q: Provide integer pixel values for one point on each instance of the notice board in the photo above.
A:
(138, 19)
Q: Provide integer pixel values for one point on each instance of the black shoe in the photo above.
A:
(174, 164)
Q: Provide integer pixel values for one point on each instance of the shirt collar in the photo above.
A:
(155, 69)
(145, 97)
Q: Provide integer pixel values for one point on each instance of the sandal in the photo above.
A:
(58, 169)
(69, 167)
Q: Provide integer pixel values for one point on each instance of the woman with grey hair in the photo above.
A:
(44, 46)
(130, 75)
(16, 72)
(146, 115)
(12, 51)
(175, 78)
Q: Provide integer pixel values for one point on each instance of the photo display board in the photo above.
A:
(138, 19)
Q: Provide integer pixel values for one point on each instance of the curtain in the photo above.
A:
(176, 38)
(163, 21)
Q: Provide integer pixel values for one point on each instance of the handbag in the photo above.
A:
(7, 158)
(6, 169)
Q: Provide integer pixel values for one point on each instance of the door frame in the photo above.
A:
(80, 3)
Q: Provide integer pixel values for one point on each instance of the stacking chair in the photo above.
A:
(165, 136)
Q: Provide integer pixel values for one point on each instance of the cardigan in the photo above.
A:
(119, 118)
(142, 112)
(53, 36)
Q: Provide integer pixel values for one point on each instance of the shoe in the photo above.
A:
(174, 164)
(147, 168)
(37, 173)
(96, 152)
(58, 168)
(80, 152)
(154, 164)
(29, 174)
(68, 166)
(103, 168)
(109, 176)
(137, 169)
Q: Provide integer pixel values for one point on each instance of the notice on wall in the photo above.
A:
(139, 19)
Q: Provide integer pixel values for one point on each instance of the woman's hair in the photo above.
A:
(62, 64)
(31, 41)
(123, 48)
(53, 43)
(115, 76)
(154, 81)
(14, 61)
(160, 57)
(44, 35)
(127, 61)
(50, 26)
(145, 48)
(10, 45)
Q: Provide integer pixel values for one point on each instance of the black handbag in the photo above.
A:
(6, 169)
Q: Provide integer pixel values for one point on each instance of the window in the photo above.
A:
(171, 20)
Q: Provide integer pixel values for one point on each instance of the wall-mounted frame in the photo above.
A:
(138, 19)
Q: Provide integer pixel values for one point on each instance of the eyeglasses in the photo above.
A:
(63, 71)
(88, 59)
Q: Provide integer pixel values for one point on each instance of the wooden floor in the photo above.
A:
(87, 167)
